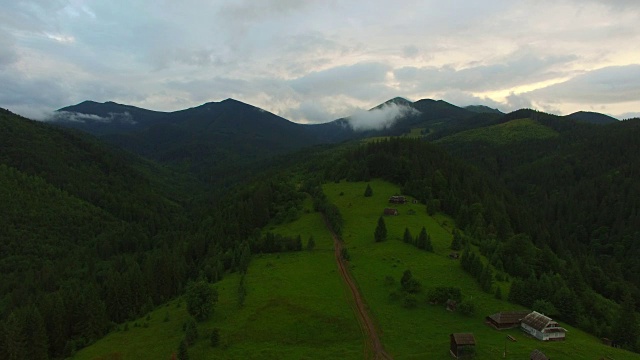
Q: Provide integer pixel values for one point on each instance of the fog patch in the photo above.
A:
(380, 118)
(70, 116)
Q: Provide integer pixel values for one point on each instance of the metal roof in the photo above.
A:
(536, 320)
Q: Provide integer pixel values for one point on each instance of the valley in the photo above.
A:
(264, 233)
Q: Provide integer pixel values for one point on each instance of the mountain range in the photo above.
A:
(233, 133)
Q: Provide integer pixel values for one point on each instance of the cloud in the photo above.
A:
(124, 117)
(380, 118)
(519, 68)
(614, 84)
(7, 49)
(359, 80)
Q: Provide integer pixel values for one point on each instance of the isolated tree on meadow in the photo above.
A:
(368, 192)
(311, 243)
(380, 234)
(214, 338)
(183, 350)
(409, 283)
(407, 238)
(190, 331)
(424, 240)
(456, 242)
(200, 299)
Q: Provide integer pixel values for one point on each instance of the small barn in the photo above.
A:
(463, 345)
(397, 199)
(538, 355)
(542, 327)
(506, 319)
(391, 211)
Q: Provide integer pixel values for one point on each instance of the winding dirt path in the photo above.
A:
(373, 346)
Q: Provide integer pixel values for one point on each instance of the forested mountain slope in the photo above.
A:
(582, 189)
(90, 236)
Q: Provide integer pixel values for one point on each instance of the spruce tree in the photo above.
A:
(456, 243)
(626, 330)
(407, 238)
(311, 243)
(368, 192)
(214, 339)
(183, 350)
(191, 331)
(380, 233)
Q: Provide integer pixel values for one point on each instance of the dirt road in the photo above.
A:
(373, 346)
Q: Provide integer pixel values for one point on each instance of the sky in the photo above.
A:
(316, 61)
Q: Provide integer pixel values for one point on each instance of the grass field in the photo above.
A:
(298, 308)
(501, 134)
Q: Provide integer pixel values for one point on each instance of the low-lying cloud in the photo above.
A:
(69, 116)
(381, 117)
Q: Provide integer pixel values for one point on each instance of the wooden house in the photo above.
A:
(390, 211)
(506, 319)
(463, 345)
(538, 355)
(397, 199)
(542, 327)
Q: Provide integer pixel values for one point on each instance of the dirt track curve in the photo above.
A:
(373, 346)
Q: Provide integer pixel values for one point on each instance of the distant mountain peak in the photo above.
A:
(592, 117)
(483, 109)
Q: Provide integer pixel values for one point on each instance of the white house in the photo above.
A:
(542, 327)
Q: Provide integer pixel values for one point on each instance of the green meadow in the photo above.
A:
(297, 307)
(514, 131)
(423, 332)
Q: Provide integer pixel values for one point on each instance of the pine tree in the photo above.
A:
(36, 335)
(421, 242)
(191, 331)
(407, 238)
(456, 243)
(183, 350)
(311, 243)
(368, 192)
(626, 330)
(14, 340)
(214, 339)
(380, 233)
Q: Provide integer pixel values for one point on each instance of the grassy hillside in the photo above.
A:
(422, 332)
(296, 307)
(514, 131)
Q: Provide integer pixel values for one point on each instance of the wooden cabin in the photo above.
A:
(538, 355)
(463, 345)
(542, 327)
(506, 319)
(397, 199)
(391, 211)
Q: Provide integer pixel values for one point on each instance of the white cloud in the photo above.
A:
(123, 117)
(380, 118)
